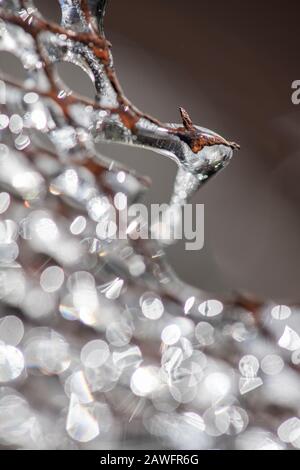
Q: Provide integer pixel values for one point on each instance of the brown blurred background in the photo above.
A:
(230, 64)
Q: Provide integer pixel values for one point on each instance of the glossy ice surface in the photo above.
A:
(101, 345)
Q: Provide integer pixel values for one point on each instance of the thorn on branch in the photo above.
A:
(186, 120)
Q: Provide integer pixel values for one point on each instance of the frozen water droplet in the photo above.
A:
(11, 330)
(113, 290)
(281, 312)
(52, 278)
(204, 333)
(152, 306)
(47, 352)
(22, 141)
(172, 359)
(246, 385)
(211, 308)
(95, 353)
(4, 202)
(249, 366)
(289, 431)
(78, 225)
(185, 389)
(16, 124)
(98, 207)
(77, 384)
(290, 340)
(189, 305)
(145, 380)
(11, 363)
(120, 201)
(31, 98)
(81, 425)
(4, 121)
(272, 364)
(171, 334)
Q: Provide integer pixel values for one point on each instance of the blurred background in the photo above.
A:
(231, 65)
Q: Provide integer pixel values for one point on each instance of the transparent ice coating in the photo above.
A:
(101, 345)
(197, 167)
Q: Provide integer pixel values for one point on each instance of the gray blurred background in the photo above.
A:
(231, 65)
